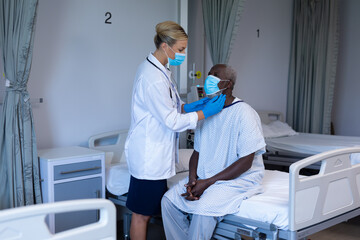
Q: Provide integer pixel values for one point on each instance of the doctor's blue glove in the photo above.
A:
(214, 106)
(196, 106)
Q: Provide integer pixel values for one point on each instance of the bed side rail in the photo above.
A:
(29, 222)
(334, 191)
(110, 142)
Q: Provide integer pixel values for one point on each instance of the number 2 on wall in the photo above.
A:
(108, 14)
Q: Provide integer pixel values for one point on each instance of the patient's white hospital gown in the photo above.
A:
(221, 140)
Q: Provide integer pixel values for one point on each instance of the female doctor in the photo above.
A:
(157, 117)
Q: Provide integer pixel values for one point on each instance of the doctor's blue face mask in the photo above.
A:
(211, 86)
(179, 58)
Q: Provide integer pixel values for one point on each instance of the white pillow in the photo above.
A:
(184, 158)
(277, 129)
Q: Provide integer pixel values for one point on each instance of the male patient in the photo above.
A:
(225, 167)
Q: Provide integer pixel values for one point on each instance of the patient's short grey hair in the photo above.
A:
(230, 73)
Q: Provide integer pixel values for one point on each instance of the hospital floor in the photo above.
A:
(344, 231)
(155, 231)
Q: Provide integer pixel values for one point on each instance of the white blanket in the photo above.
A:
(270, 206)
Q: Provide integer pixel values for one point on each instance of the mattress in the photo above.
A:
(271, 206)
(274, 199)
(310, 143)
(117, 178)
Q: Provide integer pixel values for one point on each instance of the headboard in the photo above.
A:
(112, 143)
(269, 116)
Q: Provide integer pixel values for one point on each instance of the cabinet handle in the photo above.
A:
(80, 170)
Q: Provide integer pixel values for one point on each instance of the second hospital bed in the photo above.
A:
(285, 146)
(291, 207)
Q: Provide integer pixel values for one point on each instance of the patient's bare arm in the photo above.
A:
(231, 172)
(193, 163)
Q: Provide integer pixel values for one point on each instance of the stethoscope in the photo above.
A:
(174, 89)
(171, 83)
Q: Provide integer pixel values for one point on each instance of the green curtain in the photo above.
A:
(221, 20)
(313, 65)
(19, 165)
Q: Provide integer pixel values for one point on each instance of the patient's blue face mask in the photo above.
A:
(211, 86)
(179, 58)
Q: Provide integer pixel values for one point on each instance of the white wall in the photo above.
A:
(346, 111)
(197, 44)
(84, 68)
(262, 62)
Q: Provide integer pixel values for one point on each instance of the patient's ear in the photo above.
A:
(231, 85)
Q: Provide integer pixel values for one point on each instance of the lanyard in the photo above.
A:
(233, 103)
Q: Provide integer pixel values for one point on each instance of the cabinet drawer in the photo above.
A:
(77, 169)
(71, 190)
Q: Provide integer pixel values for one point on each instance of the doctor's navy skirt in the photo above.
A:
(144, 196)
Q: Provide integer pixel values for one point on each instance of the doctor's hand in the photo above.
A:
(214, 106)
(196, 106)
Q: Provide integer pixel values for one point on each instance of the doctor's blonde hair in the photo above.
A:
(169, 32)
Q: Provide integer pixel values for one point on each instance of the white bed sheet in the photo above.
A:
(270, 206)
(117, 178)
(310, 143)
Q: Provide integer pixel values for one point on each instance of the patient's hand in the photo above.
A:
(191, 183)
(188, 195)
(194, 191)
(200, 187)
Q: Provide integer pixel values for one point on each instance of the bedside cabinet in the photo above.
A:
(71, 173)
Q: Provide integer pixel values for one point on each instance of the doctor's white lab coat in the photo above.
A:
(151, 145)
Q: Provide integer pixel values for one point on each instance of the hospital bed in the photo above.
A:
(292, 206)
(30, 222)
(284, 146)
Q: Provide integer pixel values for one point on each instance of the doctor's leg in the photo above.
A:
(175, 221)
(202, 227)
(138, 226)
